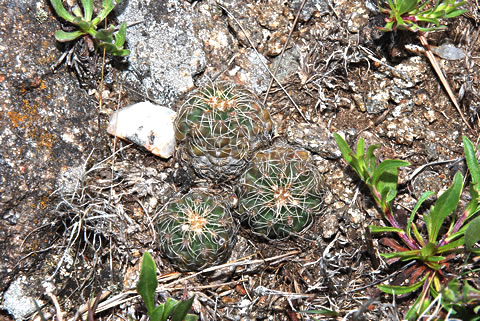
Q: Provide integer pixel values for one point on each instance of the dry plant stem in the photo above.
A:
(421, 168)
(264, 65)
(236, 263)
(84, 308)
(440, 74)
(58, 309)
(283, 50)
(261, 290)
(125, 296)
(437, 303)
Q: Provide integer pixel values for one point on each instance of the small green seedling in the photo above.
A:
(461, 302)
(405, 14)
(104, 38)
(146, 286)
(446, 234)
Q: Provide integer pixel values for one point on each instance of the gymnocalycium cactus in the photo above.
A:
(280, 192)
(195, 231)
(219, 127)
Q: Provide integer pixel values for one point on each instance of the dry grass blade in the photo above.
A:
(283, 49)
(444, 81)
(132, 294)
(58, 309)
(264, 65)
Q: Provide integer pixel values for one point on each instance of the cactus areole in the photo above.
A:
(219, 127)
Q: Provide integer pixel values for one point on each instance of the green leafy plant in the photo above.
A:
(219, 127)
(146, 286)
(280, 192)
(462, 302)
(196, 231)
(446, 235)
(405, 14)
(112, 41)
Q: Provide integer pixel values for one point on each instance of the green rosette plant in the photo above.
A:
(280, 192)
(406, 14)
(196, 231)
(446, 235)
(112, 41)
(219, 127)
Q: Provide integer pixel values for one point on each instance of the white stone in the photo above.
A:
(17, 301)
(147, 125)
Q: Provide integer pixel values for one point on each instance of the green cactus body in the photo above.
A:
(196, 231)
(219, 127)
(280, 192)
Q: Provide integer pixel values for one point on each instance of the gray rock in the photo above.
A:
(244, 14)
(358, 18)
(249, 71)
(431, 150)
(448, 51)
(427, 181)
(329, 223)
(377, 102)
(17, 301)
(289, 65)
(309, 8)
(165, 53)
(211, 27)
(313, 137)
(47, 124)
(416, 70)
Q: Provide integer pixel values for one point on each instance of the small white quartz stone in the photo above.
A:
(147, 125)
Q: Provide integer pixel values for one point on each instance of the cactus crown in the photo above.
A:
(195, 231)
(221, 125)
(280, 193)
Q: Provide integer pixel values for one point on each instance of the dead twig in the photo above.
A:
(421, 168)
(133, 295)
(58, 309)
(283, 50)
(443, 80)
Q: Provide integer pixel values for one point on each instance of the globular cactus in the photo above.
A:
(196, 231)
(280, 192)
(219, 127)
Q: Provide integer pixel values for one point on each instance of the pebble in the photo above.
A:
(430, 116)
(16, 300)
(146, 124)
(448, 51)
(377, 102)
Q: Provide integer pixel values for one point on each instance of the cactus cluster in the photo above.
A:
(222, 131)
(219, 127)
(195, 231)
(280, 192)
